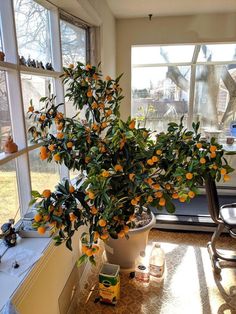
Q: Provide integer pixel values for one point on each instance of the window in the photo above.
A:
(32, 29)
(157, 99)
(9, 203)
(73, 42)
(164, 77)
(43, 175)
(33, 88)
(24, 171)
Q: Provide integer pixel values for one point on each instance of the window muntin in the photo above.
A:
(73, 42)
(32, 29)
(9, 203)
(5, 120)
(43, 175)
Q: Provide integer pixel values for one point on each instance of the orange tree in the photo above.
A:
(125, 169)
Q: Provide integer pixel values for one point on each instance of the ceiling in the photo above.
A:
(142, 8)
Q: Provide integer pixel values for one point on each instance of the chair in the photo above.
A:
(225, 218)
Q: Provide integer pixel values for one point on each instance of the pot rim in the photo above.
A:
(149, 226)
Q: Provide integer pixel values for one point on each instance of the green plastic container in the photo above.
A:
(109, 283)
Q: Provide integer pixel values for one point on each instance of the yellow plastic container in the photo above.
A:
(109, 283)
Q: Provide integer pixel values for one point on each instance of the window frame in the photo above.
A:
(13, 71)
(193, 63)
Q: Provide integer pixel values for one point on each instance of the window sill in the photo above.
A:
(7, 66)
(37, 71)
(11, 283)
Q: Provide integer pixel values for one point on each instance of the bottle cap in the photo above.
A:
(157, 245)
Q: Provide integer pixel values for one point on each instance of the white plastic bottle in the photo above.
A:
(157, 263)
(142, 269)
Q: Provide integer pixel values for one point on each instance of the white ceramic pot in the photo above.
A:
(124, 252)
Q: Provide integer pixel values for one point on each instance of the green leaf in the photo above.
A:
(68, 244)
(170, 206)
(36, 194)
(92, 260)
(81, 260)
(57, 243)
(32, 202)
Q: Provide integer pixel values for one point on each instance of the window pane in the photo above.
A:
(5, 121)
(1, 46)
(162, 54)
(215, 100)
(220, 52)
(73, 41)
(9, 203)
(160, 95)
(32, 29)
(44, 175)
(34, 87)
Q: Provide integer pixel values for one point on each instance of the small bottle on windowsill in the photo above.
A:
(157, 264)
(142, 269)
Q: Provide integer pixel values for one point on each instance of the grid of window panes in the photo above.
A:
(164, 77)
(33, 25)
(162, 84)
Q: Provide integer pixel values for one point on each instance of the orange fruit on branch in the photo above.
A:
(46, 193)
(38, 217)
(41, 230)
(189, 175)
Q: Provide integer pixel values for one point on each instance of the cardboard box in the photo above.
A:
(109, 283)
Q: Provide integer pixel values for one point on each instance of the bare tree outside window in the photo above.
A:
(32, 29)
(73, 42)
(213, 85)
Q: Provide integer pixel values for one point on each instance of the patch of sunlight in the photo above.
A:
(221, 290)
(183, 283)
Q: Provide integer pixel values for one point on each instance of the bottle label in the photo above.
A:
(156, 271)
(143, 277)
(141, 273)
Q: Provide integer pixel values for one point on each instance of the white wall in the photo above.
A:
(107, 37)
(40, 291)
(167, 30)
